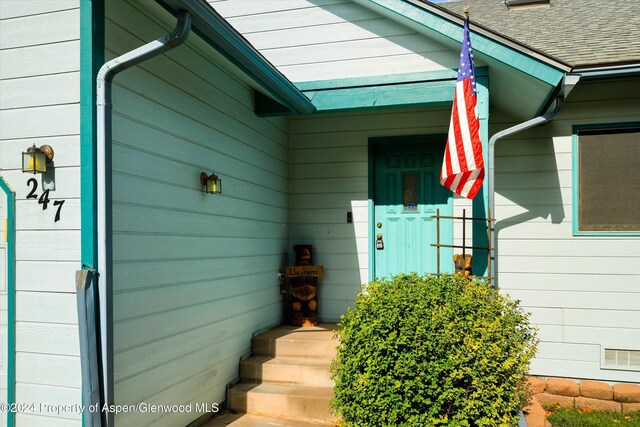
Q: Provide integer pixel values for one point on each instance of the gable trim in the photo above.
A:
(485, 42)
(218, 33)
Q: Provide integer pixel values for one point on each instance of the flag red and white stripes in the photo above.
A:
(463, 165)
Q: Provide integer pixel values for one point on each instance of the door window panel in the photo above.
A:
(410, 192)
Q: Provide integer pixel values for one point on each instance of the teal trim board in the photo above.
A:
(377, 97)
(92, 17)
(433, 88)
(389, 79)
(11, 298)
(91, 59)
(371, 169)
(575, 177)
(417, 13)
(480, 204)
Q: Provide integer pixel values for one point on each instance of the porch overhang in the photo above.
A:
(433, 88)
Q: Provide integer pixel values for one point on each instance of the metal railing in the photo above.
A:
(464, 245)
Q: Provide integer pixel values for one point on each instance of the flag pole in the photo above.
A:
(466, 12)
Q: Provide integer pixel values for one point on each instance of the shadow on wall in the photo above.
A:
(528, 184)
(338, 246)
(435, 55)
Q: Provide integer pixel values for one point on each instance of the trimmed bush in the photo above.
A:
(427, 351)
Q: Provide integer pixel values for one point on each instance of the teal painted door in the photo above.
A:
(407, 193)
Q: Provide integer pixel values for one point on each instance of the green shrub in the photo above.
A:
(426, 351)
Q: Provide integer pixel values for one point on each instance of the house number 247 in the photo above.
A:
(44, 198)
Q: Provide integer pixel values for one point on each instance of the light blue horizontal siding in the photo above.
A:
(39, 104)
(582, 291)
(194, 274)
(310, 40)
(329, 177)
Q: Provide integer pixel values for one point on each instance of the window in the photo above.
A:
(607, 180)
(410, 192)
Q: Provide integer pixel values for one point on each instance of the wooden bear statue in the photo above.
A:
(304, 290)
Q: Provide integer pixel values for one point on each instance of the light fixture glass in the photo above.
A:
(211, 183)
(35, 159)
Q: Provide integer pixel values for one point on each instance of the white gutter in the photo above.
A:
(104, 220)
(568, 83)
(612, 71)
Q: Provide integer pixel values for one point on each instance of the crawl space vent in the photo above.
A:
(622, 359)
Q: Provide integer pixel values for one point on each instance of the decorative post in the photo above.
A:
(303, 299)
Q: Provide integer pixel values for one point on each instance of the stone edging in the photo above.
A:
(596, 395)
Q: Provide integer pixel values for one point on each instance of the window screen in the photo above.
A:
(609, 180)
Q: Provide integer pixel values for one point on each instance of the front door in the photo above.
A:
(406, 194)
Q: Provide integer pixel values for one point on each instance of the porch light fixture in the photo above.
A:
(35, 159)
(210, 183)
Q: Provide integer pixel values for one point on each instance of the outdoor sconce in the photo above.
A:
(35, 159)
(211, 183)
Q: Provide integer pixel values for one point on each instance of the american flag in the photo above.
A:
(463, 165)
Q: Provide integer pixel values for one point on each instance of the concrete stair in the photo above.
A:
(247, 420)
(286, 380)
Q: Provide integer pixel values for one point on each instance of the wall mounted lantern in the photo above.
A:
(35, 159)
(210, 183)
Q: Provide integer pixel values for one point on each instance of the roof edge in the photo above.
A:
(487, 42)
(218, 33)
(491, 34)
(608, 71)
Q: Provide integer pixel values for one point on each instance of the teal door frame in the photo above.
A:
(480, 206)
(11, 298)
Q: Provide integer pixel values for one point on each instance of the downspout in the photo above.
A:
(104, 191)
(10, 230)
(567, 84)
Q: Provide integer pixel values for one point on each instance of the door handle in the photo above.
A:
(379, 242)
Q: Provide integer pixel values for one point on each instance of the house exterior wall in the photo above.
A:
(582, 291)
(40, 104)
(194, 274)
(329, 169)
(312, 40)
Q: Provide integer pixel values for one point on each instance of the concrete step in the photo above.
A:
(295, 402)
(292, 341)
(306, 371)
(227, 419)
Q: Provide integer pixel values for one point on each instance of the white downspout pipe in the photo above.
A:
(104, 220)
(568, 82)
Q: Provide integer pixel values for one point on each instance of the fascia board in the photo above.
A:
(448, 26)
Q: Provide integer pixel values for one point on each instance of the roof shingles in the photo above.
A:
(580, 33)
